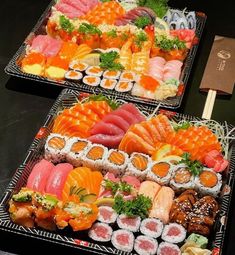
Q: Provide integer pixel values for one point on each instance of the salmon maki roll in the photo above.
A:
(160, 172)
(94, 157)
(139, 165)
(116, 162)
(55, 148)
(76, 148)
(208, 182)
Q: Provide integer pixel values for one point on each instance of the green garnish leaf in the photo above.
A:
(113, 104)
(183, 125)
(142, 21)
(160, 7)
(139, 206)
(117, 186)
(168, 44)
(108, 61)
(195, 166)
(89, 29)
(65, 24)
(112, 33)
(124, 36)
(140, 38)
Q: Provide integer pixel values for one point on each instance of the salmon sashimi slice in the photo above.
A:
(133, 143)
(81, 51)
(152, 130)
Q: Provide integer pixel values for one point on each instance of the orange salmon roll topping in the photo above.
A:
(140, 162)
(33, 58)
(208, 179)
(116, 158)
(78, 146)
(95, 153)
(56, 143)
(182, 175)
(161, 169)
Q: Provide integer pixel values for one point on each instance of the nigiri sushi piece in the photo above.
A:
(149, 189)
(37, 179)
(162, 204)
(56, 179)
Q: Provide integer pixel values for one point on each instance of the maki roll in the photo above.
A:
(76, 148)
(182, 178)
(124, 86)
(127, 76)
(91, 80)
(111, 74)
(145, 245)
(94, 156)
(139, 165)
(94, 71)
(123, 240)
(107, 214)
(78, 66)
(166, 248)
(108, 83)
(208, 182)
(116, 161)
(160, 172)
(174, 233)
(128, 223)
(151, 227)
(100, 232)
(73, 75)
(55, 148)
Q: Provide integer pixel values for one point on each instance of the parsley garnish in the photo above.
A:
(183, 125)
(112, 33)
(139, 206)
(117, 186)
(169, 44)
(107, 61)
(160, 7)
(86, 28)
(114, 105)
(140, 38)
(66, 24)
(195, 166)
(142, 21)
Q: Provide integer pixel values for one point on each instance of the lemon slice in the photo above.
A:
(161, 27)
(104, 201)
(92, 59)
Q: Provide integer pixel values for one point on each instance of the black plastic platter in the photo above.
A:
(80, 240)
(13, 67)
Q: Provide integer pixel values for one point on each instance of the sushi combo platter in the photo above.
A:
(111, 177)
(139, 51)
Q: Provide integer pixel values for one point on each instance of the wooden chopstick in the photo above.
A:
(208, 108)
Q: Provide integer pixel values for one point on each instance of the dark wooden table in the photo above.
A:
(24, 104)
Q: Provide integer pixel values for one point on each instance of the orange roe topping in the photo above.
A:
(148, 82)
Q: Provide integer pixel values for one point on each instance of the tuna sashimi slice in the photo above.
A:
(40, 43)
(77, 4)
(106, 128)
(111, 141)
(132, 109)
(116, 120)
(57, 178)
(38, 177)
(129, 117)
(52, 48)
(68, 10)
(132, 180)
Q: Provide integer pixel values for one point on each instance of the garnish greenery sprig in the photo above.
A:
(108, 61)
(117, 186)
(113, 104)
(65, 24)
(168, 44)
(182, 125)
(160, 7)
(140, 38)
(142, 21)
(89, 29)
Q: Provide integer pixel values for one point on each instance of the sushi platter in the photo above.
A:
(142, 53)
(107, 176)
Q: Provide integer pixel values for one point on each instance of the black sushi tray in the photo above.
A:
(13, 67)
(80, 240)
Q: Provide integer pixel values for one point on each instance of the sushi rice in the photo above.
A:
(78, 66)
(118, 237)
(94, 71)
(174, 233)
(160, 175)
(117, 168)
(145, 245)
(100, 232)
(110, 74)
(108, 83)
(73, 75)
(129, 223)
(91, 80)
(124, 86)
(151, 227)
(54, 152)
(76, 147)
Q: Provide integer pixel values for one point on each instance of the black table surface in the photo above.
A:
(24, 104)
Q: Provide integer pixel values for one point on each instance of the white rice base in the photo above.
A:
(74, 78)
(55, 155)
(102, 84)
(128, 88)
(93, 74)
(214, 191)
(116, 169)
(112, 218)
(127, 226)
(149, 232)
(127, 248)
(71, 66)
(75, 158)
(92, 234)
(173, 239)
(126, 79)
(142, 251)
(162, 181)
(105, 75)
(94, 164)
(166, 244)
(96, 83)
(181, 186)
(137, 173)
